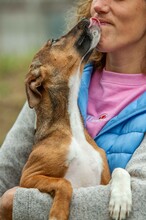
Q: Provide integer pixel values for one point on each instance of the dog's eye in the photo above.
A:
(54, 41)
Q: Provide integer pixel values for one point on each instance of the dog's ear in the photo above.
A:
(34, 86)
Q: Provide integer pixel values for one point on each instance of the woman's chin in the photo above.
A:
(102, 49)
(105, 47)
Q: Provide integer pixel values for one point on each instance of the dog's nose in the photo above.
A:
(84, 23)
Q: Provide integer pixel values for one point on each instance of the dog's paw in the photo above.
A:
(121, 196)
(59, 214)
(120, 205)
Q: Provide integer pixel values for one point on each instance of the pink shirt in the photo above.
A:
(109, 93)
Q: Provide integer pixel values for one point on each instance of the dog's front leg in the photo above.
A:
(61, 190)
(121, 195)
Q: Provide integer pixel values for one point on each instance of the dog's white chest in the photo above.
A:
(84, 162)
(85, 165)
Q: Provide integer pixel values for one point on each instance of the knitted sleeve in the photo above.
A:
(16, 148)
(87, 203)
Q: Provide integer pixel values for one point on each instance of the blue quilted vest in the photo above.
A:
(121, 136)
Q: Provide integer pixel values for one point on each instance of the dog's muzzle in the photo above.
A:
(89, 38)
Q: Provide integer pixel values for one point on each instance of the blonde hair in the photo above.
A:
(82, 10)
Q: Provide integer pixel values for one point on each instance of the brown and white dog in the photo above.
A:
(64, 155)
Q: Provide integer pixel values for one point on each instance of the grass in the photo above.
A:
(13, 69)
(10, 64)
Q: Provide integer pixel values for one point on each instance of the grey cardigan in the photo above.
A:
(87, 203)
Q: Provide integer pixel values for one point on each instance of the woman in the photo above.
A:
(114, 113)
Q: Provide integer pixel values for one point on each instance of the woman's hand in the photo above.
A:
(6, 204)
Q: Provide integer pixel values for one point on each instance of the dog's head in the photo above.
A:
(58, 60)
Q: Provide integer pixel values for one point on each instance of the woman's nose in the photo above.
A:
(101, 6)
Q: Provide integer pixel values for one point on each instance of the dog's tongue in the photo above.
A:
(94, 22)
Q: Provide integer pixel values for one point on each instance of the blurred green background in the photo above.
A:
(25, 25)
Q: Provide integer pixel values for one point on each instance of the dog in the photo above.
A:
(64, 156)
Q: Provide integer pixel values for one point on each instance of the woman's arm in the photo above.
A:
(15, 149)
(87, 203)
(137, 165)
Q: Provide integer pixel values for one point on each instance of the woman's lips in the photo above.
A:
(104, 22)
(99, 22)
(94, 22)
